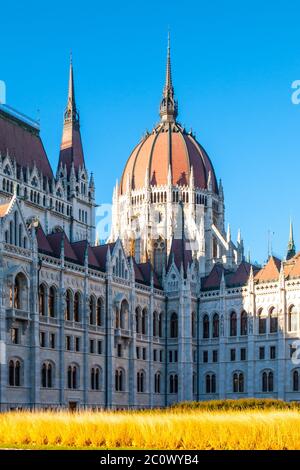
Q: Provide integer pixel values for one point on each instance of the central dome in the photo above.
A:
(168, 152)
(168, 147)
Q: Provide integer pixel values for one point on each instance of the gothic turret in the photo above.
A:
(168, 106)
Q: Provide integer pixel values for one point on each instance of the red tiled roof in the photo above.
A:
(55, 241)
(100, 253)
(168, 144)
(270, 272)
(42, 241)
(23, 144)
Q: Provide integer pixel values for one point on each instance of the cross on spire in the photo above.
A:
(168, 106)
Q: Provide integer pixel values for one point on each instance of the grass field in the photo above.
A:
(259, 426)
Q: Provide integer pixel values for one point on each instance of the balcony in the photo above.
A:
(16, 314)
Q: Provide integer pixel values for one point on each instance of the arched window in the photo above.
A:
(174, 326)
(99, 312)
(273, 320)
(119, 380)
(233, 324)
(262, 323)
(140, 382)
(210, 383)
(155, 325)
(138, 320)
(292, 319)
(238, 382)
(77, 302)
(160, 325)
(157, 382)
(216, 324)
(205, 326)
(46, 375)
(144, 321)
(267, 381)
(95, 378)
(173, 383)
(244, 323)
(20, 235)
(20, 301)
(42, 300)
(73, 377)
(52, 302)
(193, 325)
(296, 381)
(124, 314)
(14, 373)
(92, 310)
(68, 311)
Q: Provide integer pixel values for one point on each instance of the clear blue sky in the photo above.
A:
(233, 65)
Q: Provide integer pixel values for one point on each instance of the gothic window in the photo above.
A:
(95, 378)
(238, 382)
(160, 325)
(216, 325)
(174, 326)
(262, 323)
(7, 171)
(47, 375)
(233, 324)
(119, 380)
(99, 312)
(14, 373)
(124, 314)
(141, 382)
(42, 300)
(20, 292)
(210, 383)
(73, 377)
(205, 326)
(292, 319)
(144, 321)
(244, 323)
(68, 311)
(273, 320)
(173, 383)
(77, 305)
(296, 382)
(157, 382)
(92, 310)
(267, 381)
(52, 302)
(138, 320)
(155, 324)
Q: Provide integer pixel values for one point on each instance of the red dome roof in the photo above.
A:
(168, 144)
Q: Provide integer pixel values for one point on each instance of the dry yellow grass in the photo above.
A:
(171, 429)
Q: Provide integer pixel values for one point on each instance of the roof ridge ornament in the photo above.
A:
(168, 106)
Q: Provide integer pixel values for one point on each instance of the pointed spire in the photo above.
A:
(291, 249)
(209, 181)
(239, 236)
(168, 106)
(71, 111)
(71, 150)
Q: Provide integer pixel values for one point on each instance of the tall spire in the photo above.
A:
(71, 152)
(291, 250)
(71, 113)
(168, 106)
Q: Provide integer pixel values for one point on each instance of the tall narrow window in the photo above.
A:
(52, 301)
(205, 326)
(216, 326)
(244, 323)
(233, 324)
(42, 303)
(174, 326)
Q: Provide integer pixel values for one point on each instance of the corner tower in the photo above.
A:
(72, 173)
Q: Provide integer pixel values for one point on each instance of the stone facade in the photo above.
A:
(115, 325)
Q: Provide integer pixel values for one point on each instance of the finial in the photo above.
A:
(71, 113)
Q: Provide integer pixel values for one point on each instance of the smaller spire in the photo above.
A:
(71, 113)
(291, 249)
(228, 236)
